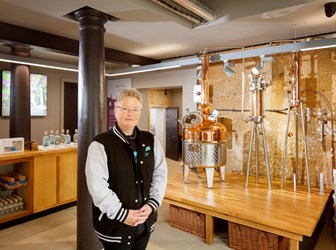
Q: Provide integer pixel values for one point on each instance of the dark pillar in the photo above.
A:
(19, 125)
(91, 112)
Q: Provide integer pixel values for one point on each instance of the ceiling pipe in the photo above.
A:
(191, 10)
(198, 8)
(269, 50)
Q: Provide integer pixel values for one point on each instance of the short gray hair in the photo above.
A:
(129, 93)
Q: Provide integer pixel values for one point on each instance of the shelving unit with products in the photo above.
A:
(15, 188)
(35, 181)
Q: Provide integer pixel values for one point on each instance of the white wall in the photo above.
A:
(185, 78)
(143, 123)
(53, 118)
(158, 124)
(177, 102)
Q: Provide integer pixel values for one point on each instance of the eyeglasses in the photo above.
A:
(126, 110)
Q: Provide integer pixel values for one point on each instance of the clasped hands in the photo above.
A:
(138, 216)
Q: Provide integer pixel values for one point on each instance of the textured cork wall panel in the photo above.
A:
(159, 98)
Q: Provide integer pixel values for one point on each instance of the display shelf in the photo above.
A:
(51, 179)
(16, 202)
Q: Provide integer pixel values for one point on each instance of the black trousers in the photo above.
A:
(140, 243)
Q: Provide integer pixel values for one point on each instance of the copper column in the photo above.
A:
(296, 103)
(257, 114)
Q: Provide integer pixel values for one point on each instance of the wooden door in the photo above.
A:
(45, 182)
(67, 178)
(172, 133)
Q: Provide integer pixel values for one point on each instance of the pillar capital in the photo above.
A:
(20, 50)
(92, 17)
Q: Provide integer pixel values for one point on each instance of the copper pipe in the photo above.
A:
(295, 79)
(257, 100)
(205, 78)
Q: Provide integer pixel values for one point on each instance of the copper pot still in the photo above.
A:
(204, 138)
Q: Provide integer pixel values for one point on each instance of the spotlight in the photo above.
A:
(256, 70)
(199, 73)
(229, 72)
(330, 9)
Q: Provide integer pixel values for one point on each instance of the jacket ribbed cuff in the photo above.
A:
(122, 214)
(153, 204)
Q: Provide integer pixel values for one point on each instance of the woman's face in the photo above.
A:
(128, 114)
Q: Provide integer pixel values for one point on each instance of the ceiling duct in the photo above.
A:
(192, 10)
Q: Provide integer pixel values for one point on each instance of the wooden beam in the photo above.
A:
(13, 34)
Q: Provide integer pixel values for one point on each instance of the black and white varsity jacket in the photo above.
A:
(117, 182)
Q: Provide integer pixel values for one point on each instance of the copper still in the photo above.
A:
(296, 104)
(204, 139)
(258, 86)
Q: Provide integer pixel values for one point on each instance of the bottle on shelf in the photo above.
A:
(45, 140)
(67, 138)
(51, 139)
(57, 139)
(13, 146)
(62, 136)
(75, 137)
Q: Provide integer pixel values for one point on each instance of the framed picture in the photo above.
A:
(38, 94)
(5, 93)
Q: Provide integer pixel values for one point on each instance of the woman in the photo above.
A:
(126, 174)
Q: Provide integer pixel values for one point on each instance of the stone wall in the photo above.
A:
(159, 97)
(318, 83)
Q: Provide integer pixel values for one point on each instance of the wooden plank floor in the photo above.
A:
(282, 212)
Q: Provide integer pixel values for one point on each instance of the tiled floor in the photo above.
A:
(58, 231)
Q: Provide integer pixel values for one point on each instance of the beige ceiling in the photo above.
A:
(149, 30)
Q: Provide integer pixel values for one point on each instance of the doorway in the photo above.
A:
(164, 125)
(172, 133)
(70, 107)
(158, 124)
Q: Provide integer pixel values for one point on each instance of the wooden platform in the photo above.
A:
(281, 212)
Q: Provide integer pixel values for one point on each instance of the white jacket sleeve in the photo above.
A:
(159, 182)
(97, 176)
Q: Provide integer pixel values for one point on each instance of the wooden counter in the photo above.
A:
(28, 154)
(281, 212)
(51, 174)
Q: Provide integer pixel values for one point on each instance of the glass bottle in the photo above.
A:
(67, 138)
(75, 136)
(62, 136)
(45, 140)
(57, 139)
(51, 139)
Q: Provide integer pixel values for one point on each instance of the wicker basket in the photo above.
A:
(187, 220)
(246, 238)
